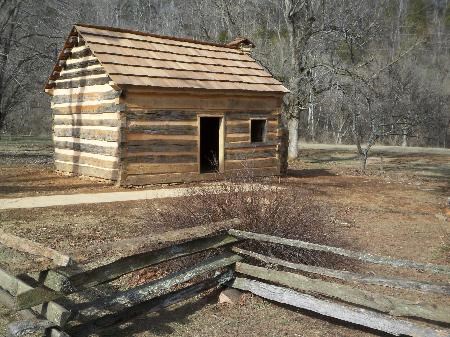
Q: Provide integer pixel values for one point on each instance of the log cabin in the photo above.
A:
(139, 108)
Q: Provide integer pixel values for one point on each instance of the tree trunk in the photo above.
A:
(405, 140)
(284, 151)
(293, 138)
(363, 161)
(446, 136)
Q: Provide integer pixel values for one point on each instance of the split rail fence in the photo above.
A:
(59, 303)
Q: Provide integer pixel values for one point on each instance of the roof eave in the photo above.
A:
(132, 87)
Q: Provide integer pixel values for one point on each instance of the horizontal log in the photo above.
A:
(235, 155)
(246, 115)
(163, 129)
(80, 68)
(248, 145)
(251, 148)
(52, 311)
(202, 102)
(85, 147)
(137, 123)
(161, 115)
(95, 108)
(81, 52)
(138, 180)
(394, 282)
(162, 137)
(164, 159)
(150, 168)
(85, 141)
(154, 304)
(250, 163)
(362, 256)
(237, 137)
(94, 96)
(78, 60)
(240, 138)
(101, 88)
(81, 120)
(69, 280)
(358, 316)
(82, 72)
(97, 133)
(86, 170)
(77, 48)
(161, 146)
(388, 304)
(83, 158)
(34, 248)
(142, 155)
(89, 77)
(82, 82)
(230, 129)
(148, 291)
(82, 63)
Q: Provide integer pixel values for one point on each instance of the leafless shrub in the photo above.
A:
(265, 208)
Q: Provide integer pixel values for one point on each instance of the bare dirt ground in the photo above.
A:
(26, 169)
(397, 208)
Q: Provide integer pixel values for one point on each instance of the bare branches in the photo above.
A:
(335, 56)
(399, 57)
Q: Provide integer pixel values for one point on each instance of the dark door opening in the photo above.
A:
(209, 144)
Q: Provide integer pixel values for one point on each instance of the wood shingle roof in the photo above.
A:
(140, 59)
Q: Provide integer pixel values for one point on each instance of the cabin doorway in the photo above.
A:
(210, 151)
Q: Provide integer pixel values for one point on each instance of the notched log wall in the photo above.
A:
(161, 138)
(149, 137)
(86, 118)
(240, 153)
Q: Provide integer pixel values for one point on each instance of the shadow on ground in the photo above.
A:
(158, 323)
(310, 173)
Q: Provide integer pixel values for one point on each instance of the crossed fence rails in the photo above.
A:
(57, 303)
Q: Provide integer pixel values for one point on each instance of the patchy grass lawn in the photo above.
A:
(398, 208)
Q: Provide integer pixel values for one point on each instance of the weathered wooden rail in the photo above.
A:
(48, 308)
(48, 305)
(354, 304)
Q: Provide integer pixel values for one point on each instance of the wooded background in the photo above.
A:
(359, 72)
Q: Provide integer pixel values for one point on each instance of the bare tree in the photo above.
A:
(9, 83)
(355, 72)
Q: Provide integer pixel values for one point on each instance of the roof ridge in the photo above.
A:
(167, 37)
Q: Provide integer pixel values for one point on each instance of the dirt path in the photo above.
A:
(91, 198)
(376, 148)
(105, 197)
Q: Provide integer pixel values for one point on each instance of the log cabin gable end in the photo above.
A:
(140, 108)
